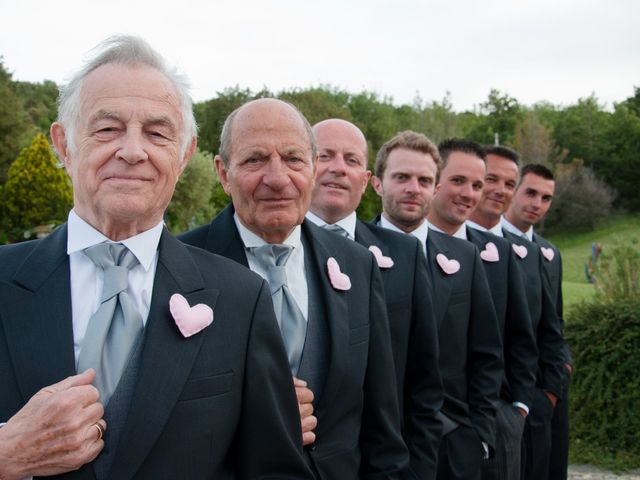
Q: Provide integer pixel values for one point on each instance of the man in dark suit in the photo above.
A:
(463, 172)
(340, 344)
(500, 184)
(469, 341)
(342, 178)
(178, 393)
(530, 204)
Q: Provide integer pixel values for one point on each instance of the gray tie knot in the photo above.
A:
(273, 258)
(116, 260)
(336, 229)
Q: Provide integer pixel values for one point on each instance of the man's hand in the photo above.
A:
(307, 420)
(55, 431)
(552, 398)
(569, 368)
(522, 412)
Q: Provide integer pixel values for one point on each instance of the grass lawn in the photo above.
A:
(575, 248)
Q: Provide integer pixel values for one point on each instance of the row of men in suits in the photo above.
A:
(396, 356)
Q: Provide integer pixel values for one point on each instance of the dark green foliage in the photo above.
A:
(617, 273)
(37, 191)
(605, 393)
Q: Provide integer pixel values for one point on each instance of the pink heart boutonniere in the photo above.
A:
(448, 266)
(490, 253)
(383, 262)
(190, 320)
(520, 250)
(548, 253)
(339, 280)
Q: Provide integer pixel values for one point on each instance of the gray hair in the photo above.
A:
(126, 50)
(225, 135)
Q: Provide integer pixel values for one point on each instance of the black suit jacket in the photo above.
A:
(219, 404)
(470, 346)
(358, 433)
(553, 270)
(509, 299)
(544, 320)
(414, 340)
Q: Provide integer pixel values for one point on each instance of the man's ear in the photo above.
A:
(376, 183)
(222, 174)
(188, 154)
(60, 143)
(365, 182)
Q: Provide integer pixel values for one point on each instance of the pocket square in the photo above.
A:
(339, 280)
(448, 266)
(190, 320)
(490, 253)
(548, 253)
(520, 250)
(383, 262)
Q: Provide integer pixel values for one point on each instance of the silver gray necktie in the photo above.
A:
(114, 328)
(293, 326)
(335, 228)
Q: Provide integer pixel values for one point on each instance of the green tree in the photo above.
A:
(37, 191)
(40, 103)
(496, 119)
(191, 203)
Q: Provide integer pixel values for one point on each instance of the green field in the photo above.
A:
(575, 248)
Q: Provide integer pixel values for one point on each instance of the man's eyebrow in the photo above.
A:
(104, 115)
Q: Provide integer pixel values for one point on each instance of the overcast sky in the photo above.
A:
(558, 50)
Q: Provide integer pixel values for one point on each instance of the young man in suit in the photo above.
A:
(334, 326)
(469, 341)
(342, 177)
(501, 180)
(530, 204)
(108, 294)
(461, 186)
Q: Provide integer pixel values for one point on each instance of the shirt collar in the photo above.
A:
(496, 229)
(420, 233)
(252, 240)
(81, 235)
(348, 222)
(509, 227)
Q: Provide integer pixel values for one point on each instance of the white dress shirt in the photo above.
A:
(420, 233)
(348, 223)
(509, 227)
(294, 268)
(87, 279)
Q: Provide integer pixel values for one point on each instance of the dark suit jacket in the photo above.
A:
(509, 299)
(553, 270)
(219, 404)
(544, 319)
(414, 340)
(470, 346)
(358, 433)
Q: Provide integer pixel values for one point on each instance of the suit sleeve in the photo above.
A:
(521, 351)
(484, 357)
(383, 451)
(423, 394)
(270, 438)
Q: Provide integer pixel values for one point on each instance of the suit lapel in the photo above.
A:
(223, 237)
(336, 310)
(442, 283)
(365, 237)
(167, 357)
(37, 313)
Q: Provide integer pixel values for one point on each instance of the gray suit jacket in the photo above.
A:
(200, 403)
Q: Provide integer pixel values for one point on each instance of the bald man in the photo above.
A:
(342, 178)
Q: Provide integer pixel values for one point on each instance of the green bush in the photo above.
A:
(605, 395)
(617, 273)
(37, 194)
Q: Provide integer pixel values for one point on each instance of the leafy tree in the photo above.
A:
(533, 140)
(191, 203)
(496, 119)
(40, 103)
(37, 191)
(15, 127)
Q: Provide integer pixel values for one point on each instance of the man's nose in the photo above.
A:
(132, 149)
(337, 165)
(411, 185)
(276, 175)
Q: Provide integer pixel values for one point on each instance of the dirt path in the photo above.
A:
(587, 472)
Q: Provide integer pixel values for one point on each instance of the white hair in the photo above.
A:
(126, 50)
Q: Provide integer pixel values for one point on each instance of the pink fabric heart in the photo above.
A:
(520, 250)
(490, 253)
(190, 320)
(339, 280)
(383, 262)
(548, 253)
(448, 266)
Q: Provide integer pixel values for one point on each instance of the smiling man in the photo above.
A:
(341, 180)
(327, 291)
(107, 295)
